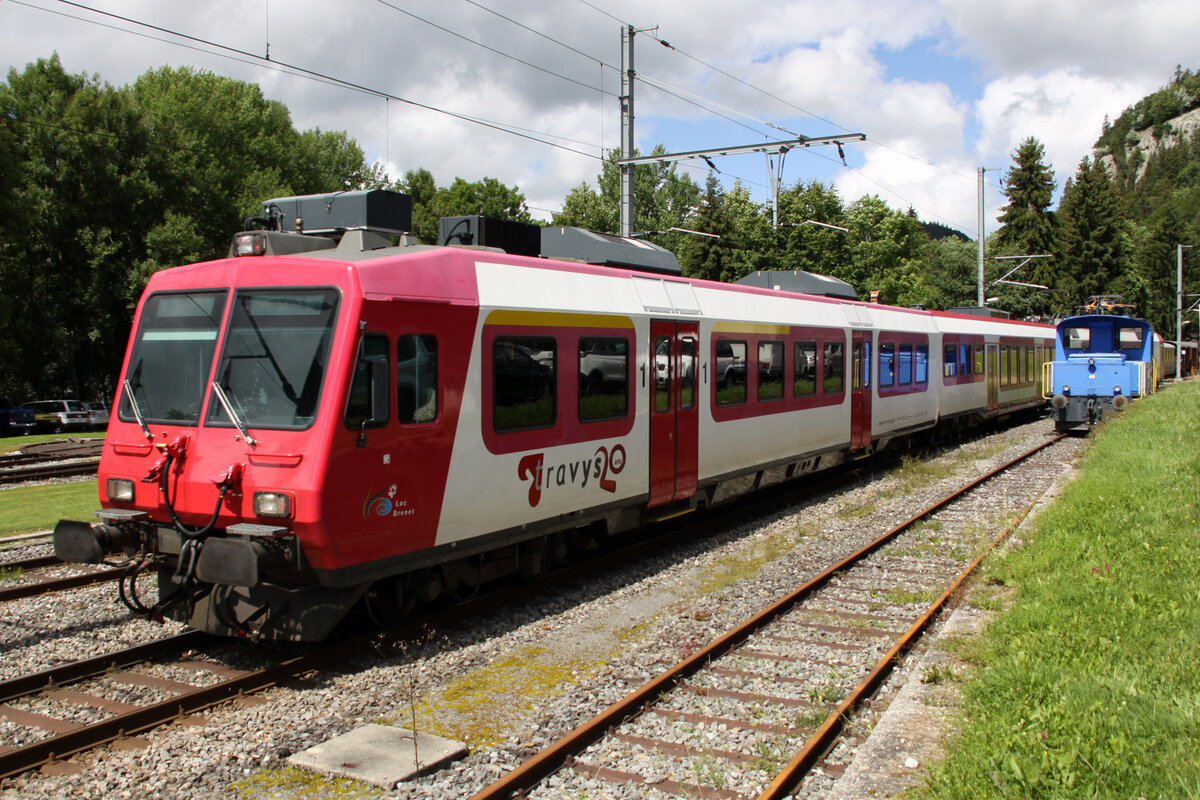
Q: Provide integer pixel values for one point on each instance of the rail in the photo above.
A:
(564, 751)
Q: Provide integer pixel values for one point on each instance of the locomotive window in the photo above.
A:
(1075, 338)
(374, 347)
(416, 378)
(948, 361)
(804, 378)
(921, 365)
(523, 370)
(1129, 338)
(730, 372)
(833, 380)
(904, 371)
(887, 363)
(172, 356)
(770, 371)
(603, 378)
(275, 355)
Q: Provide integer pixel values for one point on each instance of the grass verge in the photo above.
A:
(25, 509)
(1089, 685)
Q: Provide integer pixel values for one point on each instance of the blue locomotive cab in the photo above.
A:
(1101, 362)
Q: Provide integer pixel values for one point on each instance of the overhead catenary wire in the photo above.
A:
(491, 49)
(241, 56)
(274, 64)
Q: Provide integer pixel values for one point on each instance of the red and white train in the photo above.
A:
(314, 422)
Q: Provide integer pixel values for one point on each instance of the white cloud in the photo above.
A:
(1053, 70)
(1139, 39)
(1063, 109)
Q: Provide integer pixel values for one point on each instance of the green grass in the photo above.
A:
(1089, 685)
(10, 444)
(36, 508)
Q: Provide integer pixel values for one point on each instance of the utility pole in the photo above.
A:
(981, 171)
(627, 130)
(1179, 308)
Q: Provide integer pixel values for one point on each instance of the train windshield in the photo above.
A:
(172, 356)
(275, 357)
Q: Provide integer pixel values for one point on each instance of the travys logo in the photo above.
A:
(385, 504)
(581, 472)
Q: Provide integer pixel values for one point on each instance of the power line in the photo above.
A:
(545, 36)
(276, 65)
(491, 49)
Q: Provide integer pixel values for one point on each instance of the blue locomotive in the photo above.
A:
(1101, 362)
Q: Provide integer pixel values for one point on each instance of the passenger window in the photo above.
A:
(687, 377)
(950, 353)
(905, 369)
(979, 370)
(374, 347)
(833, 380)
(523, 370)
(662, 374)
(1004, 365)
(416, 378)
(730, 372)
(770, 371)
(922, 363)
(804, 376)
(887, 363)
(603, 378)
(964, 356)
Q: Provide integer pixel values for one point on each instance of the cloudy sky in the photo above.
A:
(525, 91)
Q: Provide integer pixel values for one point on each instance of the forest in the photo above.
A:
(101, 186)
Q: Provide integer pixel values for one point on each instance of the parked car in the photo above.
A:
(14, 420)
(97, 415)
(58, 416)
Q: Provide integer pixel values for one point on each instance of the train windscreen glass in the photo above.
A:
(172, 357)
(275, 357)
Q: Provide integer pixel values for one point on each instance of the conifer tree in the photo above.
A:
(1027, 222)
(1093, 241)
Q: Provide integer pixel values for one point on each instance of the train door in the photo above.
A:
(674, 415)
(993, 378)
(860, 390)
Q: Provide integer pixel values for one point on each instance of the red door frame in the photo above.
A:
(860, 390)
(674, 411)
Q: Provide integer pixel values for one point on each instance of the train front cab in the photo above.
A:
(1101, 363)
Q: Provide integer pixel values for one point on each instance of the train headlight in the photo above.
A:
(250, 243)
(119, 490)
(272, 504)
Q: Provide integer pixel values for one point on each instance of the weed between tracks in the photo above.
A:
(1089, 685)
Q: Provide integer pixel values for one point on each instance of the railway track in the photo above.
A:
(58, 459)
(21, 587)
(769, 685)
(84, 686)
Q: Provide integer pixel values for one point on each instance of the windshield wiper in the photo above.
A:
(137, 411)
(233, 415)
